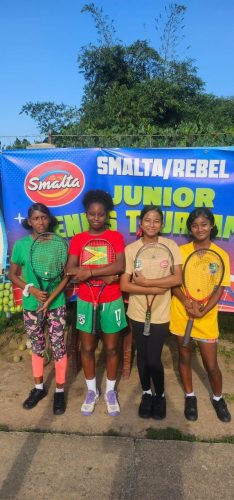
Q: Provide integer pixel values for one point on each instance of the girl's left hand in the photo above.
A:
(44, 308)
(81, 274)
(139, 279)
(197, 310)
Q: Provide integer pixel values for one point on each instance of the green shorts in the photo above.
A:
(111, 316)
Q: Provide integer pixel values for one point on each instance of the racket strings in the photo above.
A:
(202, 275)
(97, 253)
(154, 262)
(49, 256)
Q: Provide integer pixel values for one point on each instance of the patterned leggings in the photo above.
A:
(56, 320)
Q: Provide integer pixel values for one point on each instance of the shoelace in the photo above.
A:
(90, 398)
(111, 396)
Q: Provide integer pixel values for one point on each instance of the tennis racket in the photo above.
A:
(155, 261)
(48, 257)
(97, 252)
(202, 274)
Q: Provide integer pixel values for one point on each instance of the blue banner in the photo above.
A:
(175, 179)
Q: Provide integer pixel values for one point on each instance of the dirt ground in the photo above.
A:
(16, 382)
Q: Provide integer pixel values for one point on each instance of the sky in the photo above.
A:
(40, 42)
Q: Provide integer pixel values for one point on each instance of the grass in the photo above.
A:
(226, 326)
(15, 322)
(225, 352)
(171, 434)
(167, 434)
(229, 397)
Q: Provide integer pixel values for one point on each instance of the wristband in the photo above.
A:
(26, 289)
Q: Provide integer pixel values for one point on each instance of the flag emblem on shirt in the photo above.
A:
(95, 256)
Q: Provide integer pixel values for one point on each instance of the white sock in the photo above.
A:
(59, 389)
(91, 384)
(217, 398)
(189, 394)
(39, 386)
(148, 392)
(110, 385)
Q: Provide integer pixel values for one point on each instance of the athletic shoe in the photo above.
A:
(88, 405)
(221, 410)
(34, 397)
(59, 405)
(145, 408)
(190, 408)
(159, 407)
(112, 404)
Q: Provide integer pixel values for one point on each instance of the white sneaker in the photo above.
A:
(88, 405)
(112, 404)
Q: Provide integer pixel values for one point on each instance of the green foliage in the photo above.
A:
(104, 30)
(18, 144)
(138, 95)
(50, 116)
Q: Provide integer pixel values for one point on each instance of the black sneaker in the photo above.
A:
(145, 408)
(190, 408)
(159, 407)
(221, 410)
(59, 405)
(34, 397)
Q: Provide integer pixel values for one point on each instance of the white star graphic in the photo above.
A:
(19, 218)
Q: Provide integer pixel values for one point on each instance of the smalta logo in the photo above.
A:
(54, 183)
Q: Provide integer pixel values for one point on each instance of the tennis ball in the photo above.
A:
(18, 308)
(1, 293)
(1, 300)
(22, 347)
(1, 308)
(6, 293)
(1, 286)
(17, 358)
(7, 286)
(5, 300)
(12, 309)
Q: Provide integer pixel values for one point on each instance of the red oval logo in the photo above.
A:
(54, 183)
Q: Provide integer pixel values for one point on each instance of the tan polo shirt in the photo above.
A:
(137, 303)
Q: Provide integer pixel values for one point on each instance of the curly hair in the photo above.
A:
(202, 212)
(98, 196)
(45, 210)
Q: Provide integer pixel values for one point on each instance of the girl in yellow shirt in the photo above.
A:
(205, 330)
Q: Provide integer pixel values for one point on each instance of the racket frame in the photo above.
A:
(146, 329)
(41, 279)
(91, 281)
(189, 326)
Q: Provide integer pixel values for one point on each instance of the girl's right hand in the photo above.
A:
(188, 304)
(39, 295)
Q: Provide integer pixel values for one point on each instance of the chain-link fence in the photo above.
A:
(162, 140)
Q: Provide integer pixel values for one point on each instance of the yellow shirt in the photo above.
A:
(137, 304)
(206, 327)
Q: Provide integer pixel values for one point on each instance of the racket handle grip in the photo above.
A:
(40, 316)
(94, 320)
(188, 330)
(146, 330)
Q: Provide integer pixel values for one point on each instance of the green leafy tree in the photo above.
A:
(50, 116)
(138, 95)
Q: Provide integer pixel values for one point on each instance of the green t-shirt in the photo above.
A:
(21, 257)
